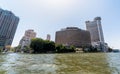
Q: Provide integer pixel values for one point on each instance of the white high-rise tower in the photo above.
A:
(96, 32)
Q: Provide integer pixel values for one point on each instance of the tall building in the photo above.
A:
(73, 36)
(48, 37)
(26, 39)
(30, 34)
(8, 26)
(96, 32)
(95, 29)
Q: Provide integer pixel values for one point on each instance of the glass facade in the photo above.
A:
(8, 25)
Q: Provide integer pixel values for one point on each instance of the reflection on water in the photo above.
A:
(74, 63)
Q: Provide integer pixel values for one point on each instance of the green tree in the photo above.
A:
(59, 48)
(42, 46)
(17, 48)
(110, 49)
(37, 45)
(64, 49)
(27, 49)
(49, 46)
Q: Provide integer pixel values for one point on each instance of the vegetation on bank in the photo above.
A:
(44, 46)
(39, 45)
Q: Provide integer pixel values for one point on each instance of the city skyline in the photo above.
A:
(48, 16)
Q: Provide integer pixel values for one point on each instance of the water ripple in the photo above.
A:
(29, 63)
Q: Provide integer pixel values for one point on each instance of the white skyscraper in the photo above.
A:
(95, 29)
(8, 26)
(96, 32)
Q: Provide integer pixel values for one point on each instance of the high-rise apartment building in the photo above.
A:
(95, 29)
(30, 34)
(48, 37)
(96, 32)
(8, 26)
(26, 39)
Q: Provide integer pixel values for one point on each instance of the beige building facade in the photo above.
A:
(30, 34)
(73, 36)
(26, 39)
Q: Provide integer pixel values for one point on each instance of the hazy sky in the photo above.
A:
(49, 16)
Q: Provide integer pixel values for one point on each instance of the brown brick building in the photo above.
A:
(73, 36)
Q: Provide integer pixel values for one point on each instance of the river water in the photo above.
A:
(72, 63)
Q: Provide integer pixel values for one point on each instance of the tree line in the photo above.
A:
(39, 45)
